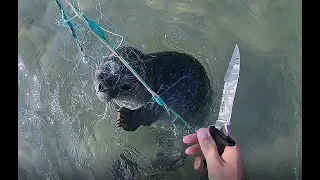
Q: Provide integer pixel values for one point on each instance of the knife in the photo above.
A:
(219, 131)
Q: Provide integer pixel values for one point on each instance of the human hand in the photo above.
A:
(228, 166)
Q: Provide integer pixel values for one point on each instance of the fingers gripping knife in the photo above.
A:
(219, 131)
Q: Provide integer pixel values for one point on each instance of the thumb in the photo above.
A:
(208, 147)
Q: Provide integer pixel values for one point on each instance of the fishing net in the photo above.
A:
(93, 41)
(90, 50)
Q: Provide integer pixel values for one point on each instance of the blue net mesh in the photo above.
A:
(70, 11)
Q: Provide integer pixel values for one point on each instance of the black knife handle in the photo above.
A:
(221, 142)
(221, 139)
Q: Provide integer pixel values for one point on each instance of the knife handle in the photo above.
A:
(221, 139)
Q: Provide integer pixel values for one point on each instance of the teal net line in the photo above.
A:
(99, 32)
(68, 18)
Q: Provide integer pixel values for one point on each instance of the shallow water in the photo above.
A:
(65, 132)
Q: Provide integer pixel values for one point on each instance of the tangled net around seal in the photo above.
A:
(106, 38)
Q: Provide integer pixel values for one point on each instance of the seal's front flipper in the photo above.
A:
(130, 120)
(125, 121)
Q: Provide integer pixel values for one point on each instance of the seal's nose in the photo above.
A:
(101, 88)
(109, 93)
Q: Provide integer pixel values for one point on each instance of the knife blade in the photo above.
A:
(219, 131)
(230, 86)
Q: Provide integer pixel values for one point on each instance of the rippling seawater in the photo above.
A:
(65, 132)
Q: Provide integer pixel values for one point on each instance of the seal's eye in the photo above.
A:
(125, 87)
(100, 76)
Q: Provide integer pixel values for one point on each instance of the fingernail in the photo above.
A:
(184, 139)
(203, 133)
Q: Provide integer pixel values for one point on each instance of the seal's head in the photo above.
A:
(113, 81)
